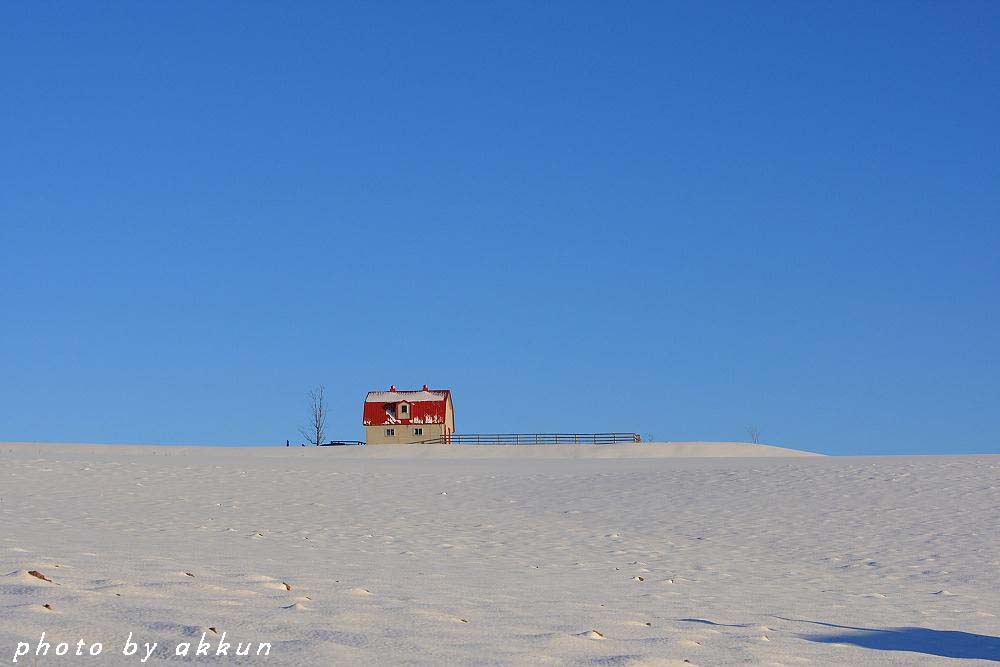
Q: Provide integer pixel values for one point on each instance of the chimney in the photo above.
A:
(425, 388)
(393, 388)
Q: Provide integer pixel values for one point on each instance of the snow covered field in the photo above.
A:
(606, 555)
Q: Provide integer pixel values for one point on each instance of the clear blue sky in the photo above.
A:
(673, 218)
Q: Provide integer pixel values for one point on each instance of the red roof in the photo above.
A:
(423, 406)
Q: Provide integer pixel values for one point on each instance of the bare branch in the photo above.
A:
(315, 431)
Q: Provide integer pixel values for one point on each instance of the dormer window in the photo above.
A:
(404, 410)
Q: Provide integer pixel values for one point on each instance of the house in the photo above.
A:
(403, 417)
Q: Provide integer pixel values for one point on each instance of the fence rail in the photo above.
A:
(533, 439)
(343, 443)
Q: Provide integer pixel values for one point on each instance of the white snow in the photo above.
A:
(531, 555)
(397, 396)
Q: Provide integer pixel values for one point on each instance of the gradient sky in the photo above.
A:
(679, 219)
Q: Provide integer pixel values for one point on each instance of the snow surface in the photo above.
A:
(547, 555)
(397, 396)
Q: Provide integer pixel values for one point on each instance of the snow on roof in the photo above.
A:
(410, 396)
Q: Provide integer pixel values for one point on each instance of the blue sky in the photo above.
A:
(673, 218)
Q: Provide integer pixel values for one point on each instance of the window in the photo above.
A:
(418, 431)
(390, 431)
(404, 409)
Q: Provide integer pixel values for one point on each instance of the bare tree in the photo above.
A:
(315, 430)
(754, 434)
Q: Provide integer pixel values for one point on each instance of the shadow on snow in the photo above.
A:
(944, 643)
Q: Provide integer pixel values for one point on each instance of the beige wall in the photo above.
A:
(375, 435)
(449, 416)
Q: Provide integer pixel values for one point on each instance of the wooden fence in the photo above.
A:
(533, 439)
